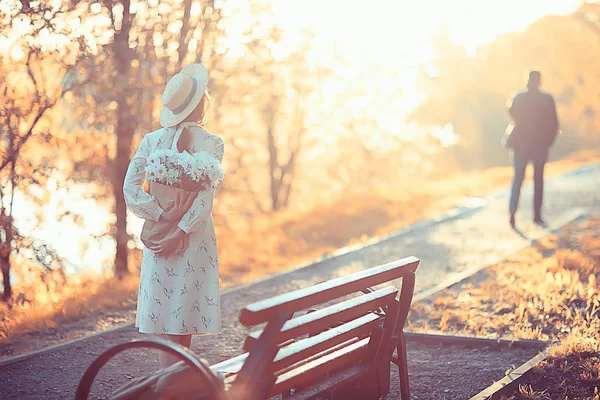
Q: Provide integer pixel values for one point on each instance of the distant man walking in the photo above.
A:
(535, 129)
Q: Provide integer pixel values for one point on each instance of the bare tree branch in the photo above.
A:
(40, 113)
(32, 76)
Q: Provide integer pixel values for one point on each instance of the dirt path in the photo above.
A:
(477, 238)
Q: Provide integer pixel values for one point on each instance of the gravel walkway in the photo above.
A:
(477, 238)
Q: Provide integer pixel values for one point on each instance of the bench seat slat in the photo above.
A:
(334, 361)
(305, 348)
(331, 382)
(233, 365)
(237, 362)
(297, 300)
(322, 319)
(315, 356)
(230, 366)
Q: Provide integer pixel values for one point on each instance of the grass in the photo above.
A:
(286, 238)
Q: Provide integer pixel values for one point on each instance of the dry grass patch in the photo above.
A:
(570, 371)
(99, 301)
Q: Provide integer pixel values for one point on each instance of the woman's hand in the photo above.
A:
(167, 246)
(169, 215)
(176, 211)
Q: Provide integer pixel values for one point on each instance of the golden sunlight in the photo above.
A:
(386, 43)
(398, 29)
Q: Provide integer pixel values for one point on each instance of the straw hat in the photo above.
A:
(183, 94)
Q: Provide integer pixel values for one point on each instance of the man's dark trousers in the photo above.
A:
(521, 157)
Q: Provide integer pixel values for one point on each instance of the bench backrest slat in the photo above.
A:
(262, 311)
(320, 320)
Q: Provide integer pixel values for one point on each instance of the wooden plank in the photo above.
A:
(347, 356)
(308, 347)
(330, 350)
(231, 366)
(325, 318)
(509, 382)
(297, 300)
(474, 341)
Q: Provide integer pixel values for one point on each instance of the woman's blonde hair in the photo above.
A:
(202, 111)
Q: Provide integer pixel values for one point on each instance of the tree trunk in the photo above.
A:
(208, 21)
(5, 250)
(125, 127)
(288, 178)
(5, 266)
(6, 221)
(274, 169)
(185, 28)
(124, 141)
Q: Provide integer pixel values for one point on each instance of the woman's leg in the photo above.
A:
(185, 340)
(166, 360)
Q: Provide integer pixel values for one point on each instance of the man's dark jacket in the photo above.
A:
(535, 120)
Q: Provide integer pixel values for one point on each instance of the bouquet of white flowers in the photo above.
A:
(191, 172)
(176, 179)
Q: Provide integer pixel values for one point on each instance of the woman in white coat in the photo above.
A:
(179, 282)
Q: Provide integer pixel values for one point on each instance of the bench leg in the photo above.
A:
(402, 364)
(383, 377)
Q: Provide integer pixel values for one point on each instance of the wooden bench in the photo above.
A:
(342, 350)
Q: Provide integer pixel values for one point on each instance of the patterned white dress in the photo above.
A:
(178, 295)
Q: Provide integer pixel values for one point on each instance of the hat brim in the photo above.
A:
(199, 72)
